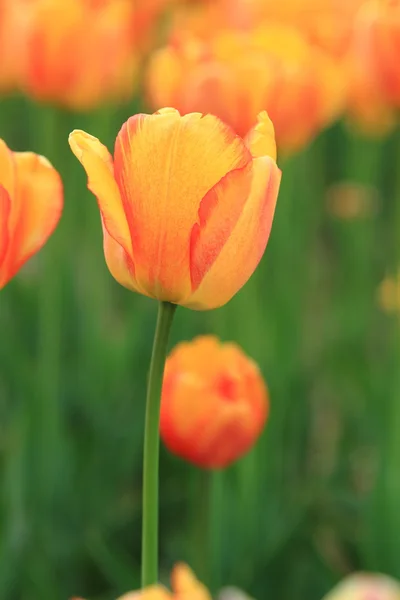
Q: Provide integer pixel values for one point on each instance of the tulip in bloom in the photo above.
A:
(77, 53)
(365, 586)
(214, 402)
(31, 200)
(235, 75)
(186, 205)
(185, 586)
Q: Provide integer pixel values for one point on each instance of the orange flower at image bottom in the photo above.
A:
(31, 200)
(185, 586)
(186, 204)
(214, 402)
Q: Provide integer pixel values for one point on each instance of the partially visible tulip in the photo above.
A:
(232, 593)
(367, 107)
(185, 586)
(365, 586)
(31, 200)
(76, 53)
(12, 23)
(214, 402)
(378, 33)
(327, 24)
(186, 205)
(235, 75)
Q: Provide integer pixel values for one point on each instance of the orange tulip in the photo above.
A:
(367, 107)
(235, 75)
(378, 35)
(186, 205)
(327, 24)
(214, 402)
(78, 53)
(31, 200)
(185, 586)
(11, 29)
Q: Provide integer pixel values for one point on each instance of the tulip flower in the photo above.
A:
(76, 53)
(365, 586)
(185, 586)
(9, 12)
(377, 30)
(236, 74)
(367, 107)
(214, 402)
(31, 200)
(186, 205)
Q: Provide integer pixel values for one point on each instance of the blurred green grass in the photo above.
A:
(319, 495)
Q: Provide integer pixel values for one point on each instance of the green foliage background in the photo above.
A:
(318, 497)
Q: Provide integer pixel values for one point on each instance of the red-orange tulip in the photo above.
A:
(186, 205)
(236, 74)
(378, 35)
(77, 53)
(11, 30)
(214, 402)
(31, 200)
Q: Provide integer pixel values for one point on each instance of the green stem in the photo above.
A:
(151, 445)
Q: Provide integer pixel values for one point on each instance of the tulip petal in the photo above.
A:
(261, 139)
(245, 247)
(7, 168)
(164, 165)
(219, 212)
(186, 586)
(39, 200)
(120, 263)
(98, 164)
(5, 208)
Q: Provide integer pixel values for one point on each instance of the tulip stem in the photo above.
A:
(165, 316)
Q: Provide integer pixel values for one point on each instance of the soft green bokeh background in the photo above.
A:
(320, 494)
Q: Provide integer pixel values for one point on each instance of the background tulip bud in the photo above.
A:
(214, 402)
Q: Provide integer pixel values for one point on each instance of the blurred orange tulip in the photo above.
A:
(78, 53)
(12, 22)
(327, 24)
(31, 200)
(214, 402)
(185, 586)
(186, 205)
(236, 75)
(377, 32)
(367, 107)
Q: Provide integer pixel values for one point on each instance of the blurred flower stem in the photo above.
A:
(48, 128)
(165, 316)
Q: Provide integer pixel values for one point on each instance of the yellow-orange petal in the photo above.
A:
(245, 247)
(7, 168)
(164, 165)
(119, 263)
(39, 202)
(186, 586)
(218, 214)
(5, 208)
(261, 139)
(98, 164)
